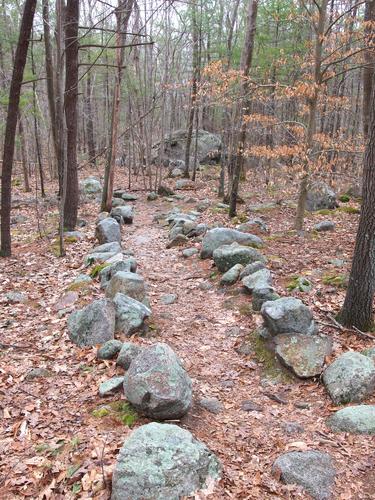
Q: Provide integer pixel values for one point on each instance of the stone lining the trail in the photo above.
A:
(162, 462)
(130, 314)
(288, 315)
(108, 230)
(350, 378)
(127, 355)
(259, 280)
(129, 265)
(312, 470)
(157, 385)
(227, 256)
(130, 284)
(109, 350)
(217, 237)
(354, 419)
(123, 214)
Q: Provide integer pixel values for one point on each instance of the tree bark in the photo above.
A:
(70, 105)
(24, 154)
(358, 306)
(369, 57)
(11, 123)
(246, 61)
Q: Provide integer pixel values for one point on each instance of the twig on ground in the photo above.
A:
(366, 335)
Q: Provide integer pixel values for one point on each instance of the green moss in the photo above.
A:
(349, 210)
(70, 239)
(344, 198)
(245, 309)
(96, 270)
(240, 218)
(100, 412)
(125, 413)
(324, 211)
(337, 280)
(271, 368)
(299, 283)
(218, 210)
(214, 275)
(74, 287)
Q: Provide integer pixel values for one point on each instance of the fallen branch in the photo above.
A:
(366, 335)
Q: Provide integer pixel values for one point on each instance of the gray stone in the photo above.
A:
(169, 298)
(355, 419)
(199, 230)
(176, 172)
(213, 405)
(320, 196)
(94, 324)
(304, 355)
(102, 216)
(250, 406)
(263, 207)
(203, 205)
(129, 197)
(261, 295)
(163, 462)
(130, 284)
(227, 256)
(217, 237)
(74, 235)
(189, 252)
(90, 185)
(248, 227)
(152, 196)
(350, 378)
(259, 279)
(165, 191)
(123, 215)
(38, 373)
(113, 247)
(325, 225)
(128, 354)
(130, 314)
(117, 203)
(292, 428)
(231, 276)
(182, 184)
(157, 385)
(108, 230)
(312, 470)
(128, 265)
(288, 315)
(177, 241)
(252, 268)
(81, 279)
(111, 386)
(109, 350)
(16, 297)
(175, 231)
(99, 258)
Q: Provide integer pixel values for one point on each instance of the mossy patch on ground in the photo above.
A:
(96, 270)
(121, 411)
(337, 280)
(344, 198)
(299, 283)
(349, 210)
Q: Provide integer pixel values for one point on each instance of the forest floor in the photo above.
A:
(52, 445)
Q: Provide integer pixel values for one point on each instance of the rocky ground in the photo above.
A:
(57, 442)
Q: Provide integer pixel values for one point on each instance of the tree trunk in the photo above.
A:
(24, 154)
(246, 60)
(11, 123)
(89, 121)
(368, 70)
(70, 104)
(358, 306)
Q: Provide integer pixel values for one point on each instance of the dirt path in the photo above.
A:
(51, 444)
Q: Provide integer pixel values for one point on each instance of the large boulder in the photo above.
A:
(320, 196)
(355, 419)
(123, 214)
(219, 236)
(90, 185)
(108, 230)
(312, 470)
(157, 384)
(130, 314)
(259, 279)
(304, 355)
(350, 378)
(128, 265)
(208, 146)
(130, 284)
(227, 256)
(94, 324)
(288, 315)
(163, 462)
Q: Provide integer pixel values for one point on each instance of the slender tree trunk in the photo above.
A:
(11, 123)
(89, 121)
(246, 61)
(70, 105)
(358, 306)
(369, 57)
(25, 157)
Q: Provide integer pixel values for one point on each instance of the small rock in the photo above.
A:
(244, 349)
(130, 284)
(152, 196)
(108, 230)
(355, 419)
(185, 184)
(326, 225)
(304, 355)
(231, 276)
(262, 295)
(288, 315)
(163, 462)
(16, 297)
(109, 350)
(157, 385)
(260, 279)
(129, 197)
(302, 405)
(81, 279)
(213, 405)
(250, 406)
(312, 470)
(350, 378)
(168, 299)
(128, 265)
(128, 354)
(320, 196)
(130, 314)
(227, 256)
(248, 227)
(217, 237)
(189, 252)
(74, 235)
(111, 386)
(90, 185)
(252, 268)
(123, 215)
(112, 247)
(292, 428)
(165, 191)
(37, 373)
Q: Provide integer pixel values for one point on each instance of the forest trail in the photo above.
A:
(52, 439)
